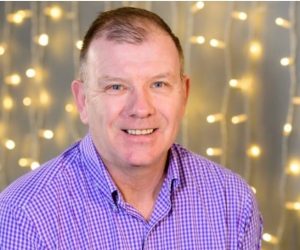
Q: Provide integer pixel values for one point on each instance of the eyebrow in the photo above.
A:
(120, 79)
(110, 79)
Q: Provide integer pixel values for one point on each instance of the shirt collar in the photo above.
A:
(97, 169)
(102, 178)
(174, 165)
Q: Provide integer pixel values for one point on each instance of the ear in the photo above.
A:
(186, 88)
(79, 95)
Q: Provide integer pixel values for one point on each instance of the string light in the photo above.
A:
(292, 205)
(7, 102)
(43, 40)
(34, 165)
(293, 168)
(255, 49)
(239, 119)
(46, 133)
(44, 98)
(282, 22)
(30, 73)
(287, 129)
(79, 44)
(296, 100)
(239, 84)
(19, 16)
(25, 162)
(55, 12)
(215, 43)
(254, 151)
(214, 118)
(214, 151)
(2, 49)
(197, 6)
(239, 15)
(27, 101)
(253, 190)
(13, 79)
(285, 61)
(69, 108)
(197, 39)
(10, 144)
(270, 238)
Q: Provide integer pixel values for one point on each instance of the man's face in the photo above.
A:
(133, 99)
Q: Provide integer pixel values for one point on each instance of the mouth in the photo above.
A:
(148, 131)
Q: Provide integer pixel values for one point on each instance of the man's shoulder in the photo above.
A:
(20, 192)
(207, 173)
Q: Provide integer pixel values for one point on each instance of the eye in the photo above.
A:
(116, 87)
(158, 84)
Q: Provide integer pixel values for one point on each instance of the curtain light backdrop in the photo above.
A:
(243, 111)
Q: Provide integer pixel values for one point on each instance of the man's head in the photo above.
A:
(128, 25)
(132, 93)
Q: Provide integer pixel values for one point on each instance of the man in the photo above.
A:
(126, 185)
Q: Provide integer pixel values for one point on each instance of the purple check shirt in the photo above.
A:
(71, 202)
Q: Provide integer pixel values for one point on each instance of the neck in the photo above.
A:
(139, 185)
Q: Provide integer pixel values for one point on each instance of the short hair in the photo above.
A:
(125, 24)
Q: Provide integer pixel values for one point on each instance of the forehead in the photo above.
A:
(157, 48)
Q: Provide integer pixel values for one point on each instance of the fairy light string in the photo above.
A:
(289, 116)
(226, 91)
(252, 36)
(35, 83)
(191, 10)
(4, 112)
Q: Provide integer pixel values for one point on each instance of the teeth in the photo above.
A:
(140, 131)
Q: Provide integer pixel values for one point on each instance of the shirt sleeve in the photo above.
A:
(251, 226)
(16, 230)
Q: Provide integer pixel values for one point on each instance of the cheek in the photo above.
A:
(104, 111)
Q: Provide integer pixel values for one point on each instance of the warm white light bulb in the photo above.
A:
(69, 107)
(296, 100)
(254, 151)
(27, 101)
(10, 144)
(2, 49)
(55, 12)
(255, 49)
(15, 18)
(294, 168)
(24, 162)
(240, 15)
(47, 134)
(34, 165)
(13, 79)
(79, 44)
(197, 39)
(213, 151)
(285, 61)
(217, 43)
(287, 129)
(292, 205)
(253, 190)
(234, 83)
(7, 103)
(43, 40)
(44, 98)
(282, 22)
(239, 119)
(30, 73)
(214, 118)
(197, 6)
(269, 238)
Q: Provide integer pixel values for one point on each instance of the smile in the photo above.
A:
(140, 131)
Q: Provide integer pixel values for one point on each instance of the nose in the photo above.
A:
(140, 104)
